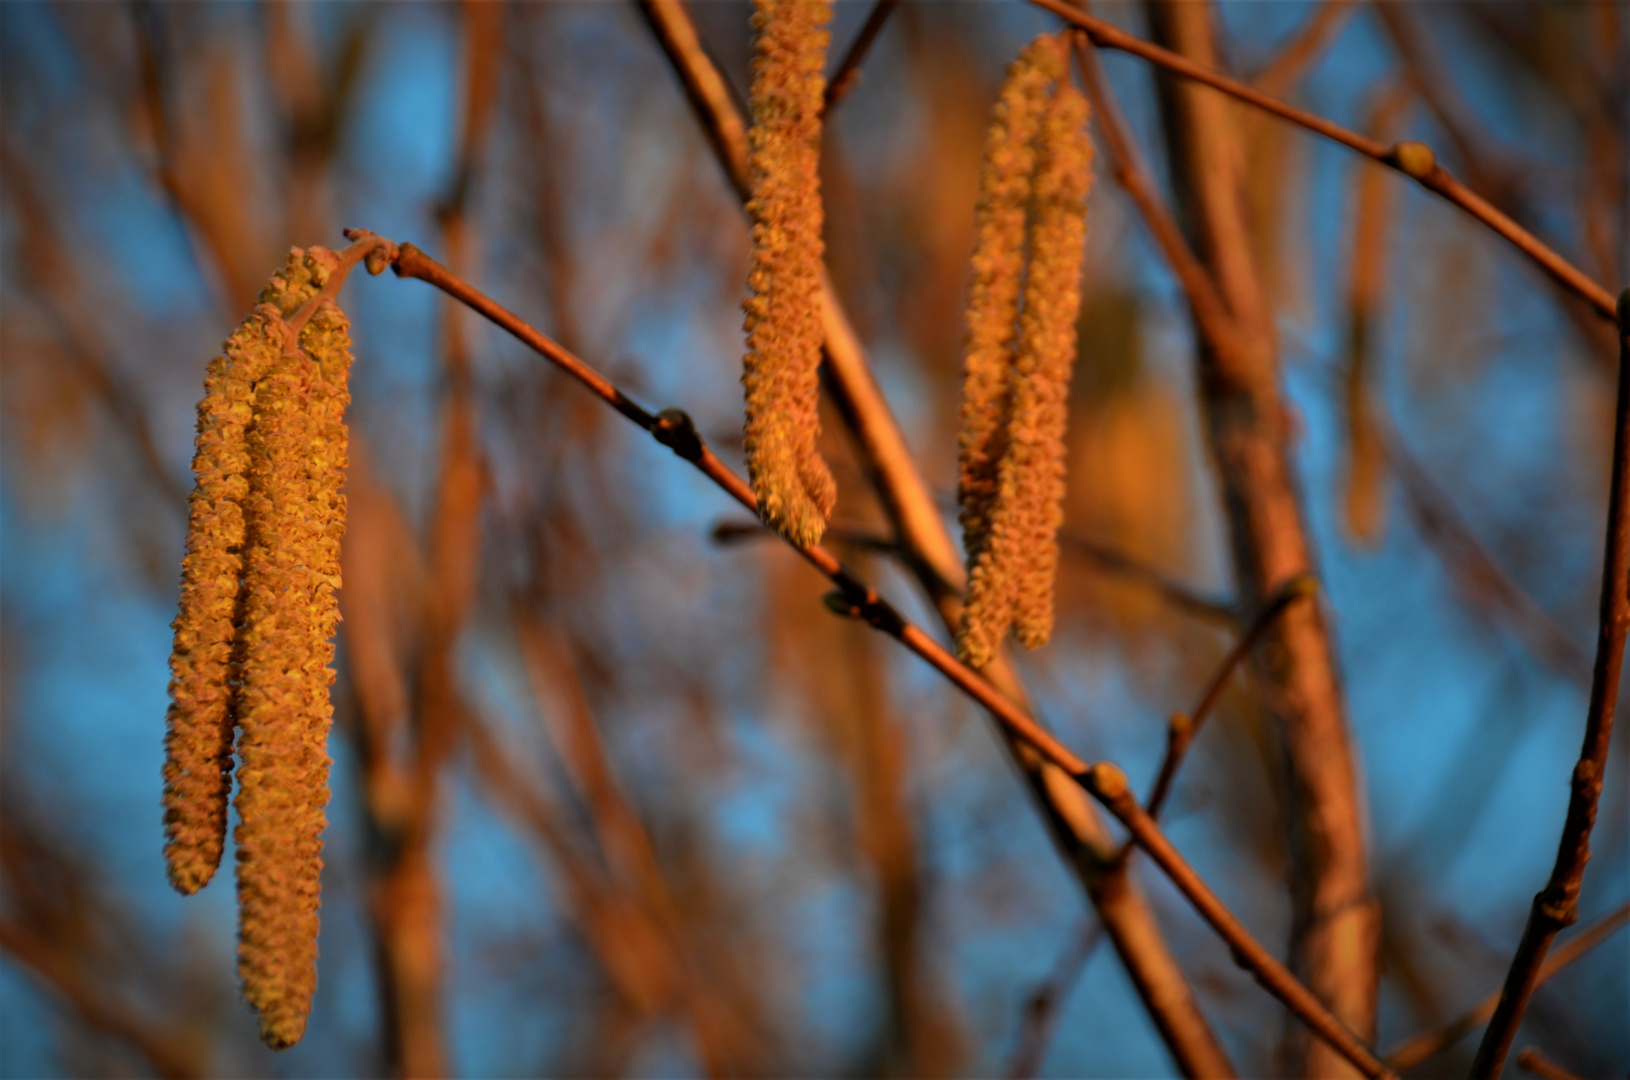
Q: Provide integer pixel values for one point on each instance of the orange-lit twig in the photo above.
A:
(1414, 160)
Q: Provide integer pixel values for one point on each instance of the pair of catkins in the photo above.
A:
(253, 639)
(1021, 338)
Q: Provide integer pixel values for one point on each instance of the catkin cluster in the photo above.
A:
(1020, 347)
(253, 640)
(794, 488)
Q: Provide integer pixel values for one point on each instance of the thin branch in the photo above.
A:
(855, 599)
(1185, 726)
(674, 429)
(1109, 785)
(1415, 160)
(1211, 609)
(1532, 1061)
(847, 76)
(1431, 1043)
(1557, 905)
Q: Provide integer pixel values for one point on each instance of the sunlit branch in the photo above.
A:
(1108, 783)
(1430, 1043)
(1557, 905)
(1413, 159)
(855, 599)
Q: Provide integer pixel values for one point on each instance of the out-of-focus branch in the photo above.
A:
(167, 1057)
(847, 75)
(1335, 923)
(1431, 1043)
(1532, 1061)
(1183, 727)
(1286, 68)
(1107, 559)
(1414, 160)
(1108, 784)
(855, 599)
(1557, 905)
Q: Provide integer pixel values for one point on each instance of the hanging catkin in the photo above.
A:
(198, 725)
(1017, 362)
(254, 637)
(794, 489)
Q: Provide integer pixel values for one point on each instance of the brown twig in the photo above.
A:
(1531, 1060)
(1414, 160)
(855, 599)
(1557, 905)
(1431, 1043)
(847, 75)
(1279, 74)
(673, 429)
(1185, 726)
(1108, 784)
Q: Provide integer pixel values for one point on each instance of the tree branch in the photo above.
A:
(847, 75)
(1415, 160)
(1557, 905)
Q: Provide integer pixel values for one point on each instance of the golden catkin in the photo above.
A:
(281, 770)
(199, 722)
(1047, 351)
(794, 488)
(1016, 381)
(993, 310)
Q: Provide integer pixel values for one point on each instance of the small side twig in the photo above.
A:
(1557, 905)
(1431, 1043)
(1415, 160)
(1109, 786)
(1185, 726)
(847, 75)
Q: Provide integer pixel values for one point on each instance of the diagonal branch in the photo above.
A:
(1414, 160)
(1557, 905)
(855, 599)
(847, 75)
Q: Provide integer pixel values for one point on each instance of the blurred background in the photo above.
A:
(612, 792)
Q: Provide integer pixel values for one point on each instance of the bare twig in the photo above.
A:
(847, 75)
(673, 429)
(855, 599)
(1067, 811)
(1557, 905)
(1537, 1063)
(1414, 160)
(1185, 726)
(1108, 784)
(1431, 1043)
(1282, 72)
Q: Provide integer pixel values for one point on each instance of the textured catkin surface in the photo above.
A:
(199, 723)
(1031, 227)
(793, 486)
(282, 774)
(993, 312)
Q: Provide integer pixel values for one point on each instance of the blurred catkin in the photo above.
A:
(1017, 363)
(794, 488)
(198, 727)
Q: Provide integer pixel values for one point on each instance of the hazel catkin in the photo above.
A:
(1021, 345)
(200, 719)
(794, 488)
